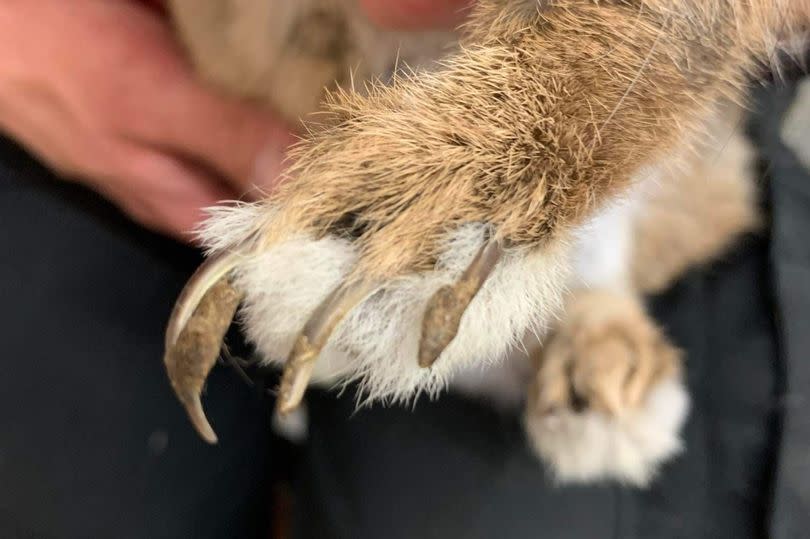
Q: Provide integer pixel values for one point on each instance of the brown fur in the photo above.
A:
(543, 115)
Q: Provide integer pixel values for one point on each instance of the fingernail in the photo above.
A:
(269, 166)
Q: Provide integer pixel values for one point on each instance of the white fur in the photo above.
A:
(600, 258)
(603, 246)
(602, 249)
(797, 124)
(590, 446)
(377, 343)
(231, 227)
(294, 425)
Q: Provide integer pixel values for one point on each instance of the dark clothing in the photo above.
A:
(93, 443)
(455, 468)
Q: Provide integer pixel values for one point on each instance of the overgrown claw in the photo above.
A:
(193, 405)
(297, 373)
(311, 341)
(444, 310)
(194, 336)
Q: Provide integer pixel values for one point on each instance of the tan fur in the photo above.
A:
(532, 126)
(696, 211)
(238, 45)
(605, 356)
(606, 399)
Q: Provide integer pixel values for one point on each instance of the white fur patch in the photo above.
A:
(229, 227)
(589, 446)
(603, 245)
(376, 345)
(602, 248)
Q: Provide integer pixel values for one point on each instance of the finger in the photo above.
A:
(168, 105)
(163, 192)
(417, 14)
(245, 143)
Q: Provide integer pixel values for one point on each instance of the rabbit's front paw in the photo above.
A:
(393, 272)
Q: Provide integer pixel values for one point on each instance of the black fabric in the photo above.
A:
(791, 263)
(455, 468)
(92, 441)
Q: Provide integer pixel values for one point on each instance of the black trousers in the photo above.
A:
(93, 444)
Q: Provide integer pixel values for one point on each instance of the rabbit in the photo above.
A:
(482, 209)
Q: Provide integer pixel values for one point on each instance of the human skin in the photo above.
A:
(101, 92)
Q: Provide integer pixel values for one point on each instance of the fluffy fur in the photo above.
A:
(591, 410)
(591, 446)
(795, 122)
(545, 117)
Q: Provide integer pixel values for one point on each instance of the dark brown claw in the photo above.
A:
(444, 310)
(194, 336)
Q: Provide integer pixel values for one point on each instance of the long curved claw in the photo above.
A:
(311, 341)
(195, 332)
(444, 310)
(209, 273)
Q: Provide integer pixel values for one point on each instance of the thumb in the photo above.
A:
(245, 143)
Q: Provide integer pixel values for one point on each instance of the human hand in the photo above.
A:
(101, 92)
